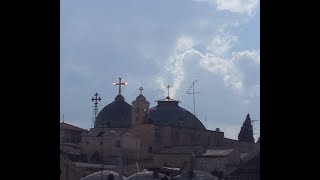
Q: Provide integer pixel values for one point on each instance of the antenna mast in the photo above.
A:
(205, 119)
(194, 101)
(95, 101)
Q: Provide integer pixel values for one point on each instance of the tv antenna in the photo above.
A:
(193, 93)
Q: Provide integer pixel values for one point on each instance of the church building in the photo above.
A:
(153, 137)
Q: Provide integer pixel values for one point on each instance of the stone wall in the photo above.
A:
(146, 133)
(69, 171)
(208, 164)
(242, 147)
(171, 159)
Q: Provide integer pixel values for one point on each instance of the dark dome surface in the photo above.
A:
(169, 112)
(115, 115)
(141, 98)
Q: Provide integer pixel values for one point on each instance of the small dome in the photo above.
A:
(119, 98)
(218, 129)
(141, 98)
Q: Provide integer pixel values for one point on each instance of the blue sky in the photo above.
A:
(153, 43)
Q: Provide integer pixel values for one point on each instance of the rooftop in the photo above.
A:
(66, 126)
(217, 153)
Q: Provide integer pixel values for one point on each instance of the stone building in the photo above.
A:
(219, 160)
(70, 133)
(166, 134)
(248, 170)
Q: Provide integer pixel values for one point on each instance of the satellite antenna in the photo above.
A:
(194, 102)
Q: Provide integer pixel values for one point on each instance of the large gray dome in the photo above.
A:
(169, 112)
(115, 115)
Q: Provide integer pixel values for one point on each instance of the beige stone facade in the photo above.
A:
(155, 145)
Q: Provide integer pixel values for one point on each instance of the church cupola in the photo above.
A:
(246, 132)
(140, 107)
(117, 114)
(168, 112)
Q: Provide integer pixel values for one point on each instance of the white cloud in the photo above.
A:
(223, 68)
(174, 72)
(222, 43)
(236, 6)
(184, 43)
(240, 72)
(246, 54)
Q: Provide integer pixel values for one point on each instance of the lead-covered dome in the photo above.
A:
(115, 115)
(169, 112)
(141, 98)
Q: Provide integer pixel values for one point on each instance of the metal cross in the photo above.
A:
(95, 99)
(168, 90)
(119, 84)
(141, 89)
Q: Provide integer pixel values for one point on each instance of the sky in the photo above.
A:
(153, 43)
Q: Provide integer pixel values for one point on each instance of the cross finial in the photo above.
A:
(119, 84)
(95, 99)
(168, 91)
(141, 89)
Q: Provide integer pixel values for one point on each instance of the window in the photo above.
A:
(137, 110)
(137, 118)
